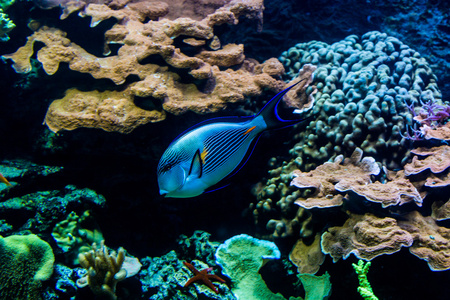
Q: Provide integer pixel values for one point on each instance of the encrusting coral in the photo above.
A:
(365, 236)
(325, 178)
(368, 235)
(375, 211)
(307, 258)
(213, 84)
(242, 256)
(434, 159)
(431, 241)
(25, 261)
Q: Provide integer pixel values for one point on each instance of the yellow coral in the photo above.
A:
(104, 270)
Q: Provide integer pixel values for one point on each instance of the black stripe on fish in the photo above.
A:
(222, 146)
(171, 158)
(219, 143)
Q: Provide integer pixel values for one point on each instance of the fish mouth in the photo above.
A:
(163, 193)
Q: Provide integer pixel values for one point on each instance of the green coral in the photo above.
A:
(76, 234)
(25, 261)
(241, 258)
(364, 289)
(6, 25)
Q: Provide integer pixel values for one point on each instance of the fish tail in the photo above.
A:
(270, 112)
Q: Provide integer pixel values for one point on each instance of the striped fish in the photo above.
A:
(213, 150)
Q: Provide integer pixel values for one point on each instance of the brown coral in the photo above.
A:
(139, 41)
(440, 210)
(437, 160)
(297, 96)
(399, 190)
(439, 133)
(108, 110)
(366, 236)
(353, 171)
(307, 258)
(431, 242)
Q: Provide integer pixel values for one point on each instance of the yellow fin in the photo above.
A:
(4, 180)
(203, 155)
(249, 130)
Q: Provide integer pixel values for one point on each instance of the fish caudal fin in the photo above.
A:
(270, 112)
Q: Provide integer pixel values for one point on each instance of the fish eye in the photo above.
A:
(167, 167)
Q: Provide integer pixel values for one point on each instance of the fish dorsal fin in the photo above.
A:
(196, 168)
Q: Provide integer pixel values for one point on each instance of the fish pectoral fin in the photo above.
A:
(196, 165)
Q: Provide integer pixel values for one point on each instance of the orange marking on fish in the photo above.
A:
(249, 130)
(203, 155)
(4, 180)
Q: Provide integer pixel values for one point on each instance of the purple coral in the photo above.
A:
(433, 114)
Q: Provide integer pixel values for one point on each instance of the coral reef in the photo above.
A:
(436, 159)
(197, 247)
(21, 172)
(166, 275)
(25, 261)
(48, 207)
(368, 236)
(328, 178)
(431, 241)
(362, 87)
(375, 211)
(209, 88)
(366, 91)
(241, 258)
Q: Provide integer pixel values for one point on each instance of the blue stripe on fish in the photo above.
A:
(212, 150)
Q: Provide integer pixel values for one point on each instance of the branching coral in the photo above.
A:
(364, 288)
(74, 236)
(105, 269)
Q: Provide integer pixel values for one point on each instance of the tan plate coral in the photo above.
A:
(138, 40)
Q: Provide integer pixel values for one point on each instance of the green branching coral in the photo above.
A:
(364, 289)
(76, 234)
(6, 25)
